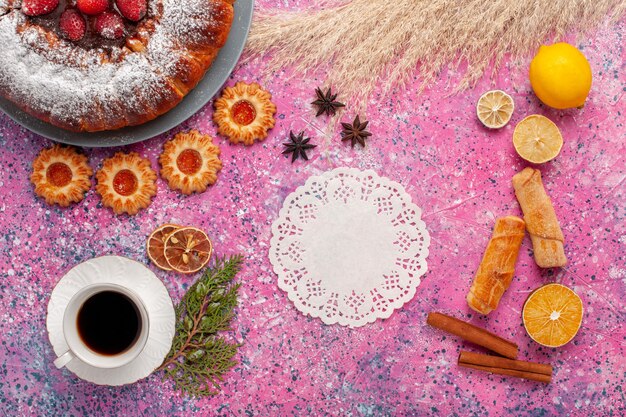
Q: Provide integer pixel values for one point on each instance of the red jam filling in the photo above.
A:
(189, 161)
(59, 174)
(243, 112)
(125, 182)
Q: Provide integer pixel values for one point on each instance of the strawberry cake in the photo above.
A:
(93, 65)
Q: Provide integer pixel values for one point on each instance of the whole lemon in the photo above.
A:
(560, 76)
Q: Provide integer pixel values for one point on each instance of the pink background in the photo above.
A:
(456, 170)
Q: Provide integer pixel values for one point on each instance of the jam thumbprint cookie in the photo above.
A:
(244, 113)
(126, 183)
(61, 175)
(190, 162)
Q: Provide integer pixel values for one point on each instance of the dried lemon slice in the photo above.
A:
(187, 250)
(552, 315)
(494, 109)
(156, 245)
(537, 139)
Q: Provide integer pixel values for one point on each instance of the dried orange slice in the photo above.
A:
(187, 250)
(537, 139)
(156, 245)
(552, 315)
(494, 109)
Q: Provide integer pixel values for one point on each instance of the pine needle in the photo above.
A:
(364, 42)
(199, 356)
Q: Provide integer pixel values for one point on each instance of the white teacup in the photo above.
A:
(78, 349)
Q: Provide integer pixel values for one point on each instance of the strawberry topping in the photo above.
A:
(109, 25)
(133, 10)
(92, 7)
(38, 7)
(72, 25)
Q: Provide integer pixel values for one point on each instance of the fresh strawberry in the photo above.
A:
(133, 10)
(72, 25)
(92, 7)
(38, 7)
(109, 25)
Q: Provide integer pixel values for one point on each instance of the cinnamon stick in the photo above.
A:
(510, 372)
(477, 360)
(473, 334)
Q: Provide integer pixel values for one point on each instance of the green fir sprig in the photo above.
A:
(200, 356)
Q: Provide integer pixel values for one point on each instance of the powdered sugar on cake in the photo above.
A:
(182, 25)
(58, 81)
(5, 7)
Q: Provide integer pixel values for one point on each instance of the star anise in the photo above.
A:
(298, 146)
(326, 103)
(355, 132)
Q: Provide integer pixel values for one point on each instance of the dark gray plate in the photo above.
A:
(213, 80)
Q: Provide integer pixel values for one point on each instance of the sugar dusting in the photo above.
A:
(54, 78)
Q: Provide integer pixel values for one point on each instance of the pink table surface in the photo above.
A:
(457, 171)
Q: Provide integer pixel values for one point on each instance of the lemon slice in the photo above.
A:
(494, 109)
(187, 250)
(537, 139)
(156, 245)
(552, 315)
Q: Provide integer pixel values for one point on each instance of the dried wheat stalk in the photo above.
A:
(363, 42)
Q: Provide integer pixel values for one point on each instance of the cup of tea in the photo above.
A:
(104, 325)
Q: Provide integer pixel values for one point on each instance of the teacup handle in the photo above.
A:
(64, 359)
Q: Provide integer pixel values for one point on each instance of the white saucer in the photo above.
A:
(133, 275)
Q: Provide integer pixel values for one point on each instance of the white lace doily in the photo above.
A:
(349, 247)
